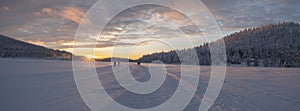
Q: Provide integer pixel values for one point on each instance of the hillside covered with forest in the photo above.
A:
(13, 48)
(275, 45)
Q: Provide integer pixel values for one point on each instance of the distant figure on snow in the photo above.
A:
(138, 63)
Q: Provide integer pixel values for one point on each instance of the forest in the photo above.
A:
(274, 45)
(12, 48)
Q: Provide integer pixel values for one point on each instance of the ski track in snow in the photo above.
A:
(45, 85)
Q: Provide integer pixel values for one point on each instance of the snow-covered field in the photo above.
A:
(45, 85)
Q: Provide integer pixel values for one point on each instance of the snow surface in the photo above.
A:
(49, 85)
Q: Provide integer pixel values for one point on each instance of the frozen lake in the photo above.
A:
(45, 85)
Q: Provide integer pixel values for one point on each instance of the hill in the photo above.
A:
(275, 45)
(13, 48)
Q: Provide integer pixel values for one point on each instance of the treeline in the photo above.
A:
(115, 59)
(275, 45)
(18, 49)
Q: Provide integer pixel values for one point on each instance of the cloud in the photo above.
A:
(236, 15)
(149, 22)
(41, 43)
(99, 44)
(37, 13)
(5, 8)
(40, 21)
(48, 11)
(74, 14)
(191, 30)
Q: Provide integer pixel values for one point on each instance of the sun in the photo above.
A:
(90, 56)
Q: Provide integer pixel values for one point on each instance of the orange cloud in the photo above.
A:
(41, 43)
(48, 11)
(74, 14)
(175, 16)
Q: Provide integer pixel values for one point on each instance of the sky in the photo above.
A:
(53, 23)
